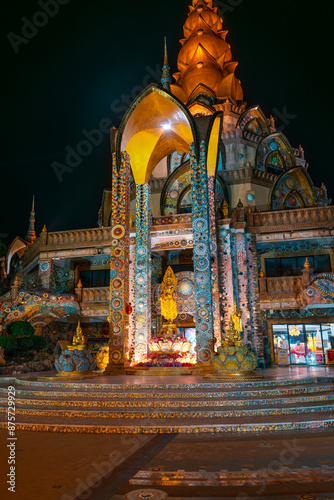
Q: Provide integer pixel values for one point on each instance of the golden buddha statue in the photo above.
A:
(78, 341)
(168, 303)
(232, 336)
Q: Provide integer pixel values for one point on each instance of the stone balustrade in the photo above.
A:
(290, 219)
(172, 219)
(280, 285)
(100, 294)
(79, 237)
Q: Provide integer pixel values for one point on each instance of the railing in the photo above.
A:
(95, 294)
(172, 219)
(282, 284)
(79, 237)
(302, 217)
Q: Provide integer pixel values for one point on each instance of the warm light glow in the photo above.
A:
(166, 126)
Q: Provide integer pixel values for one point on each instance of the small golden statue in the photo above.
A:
(232, 336)
(168, 304)
(78, 341)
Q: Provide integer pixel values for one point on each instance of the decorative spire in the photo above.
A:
(307, 264)
(31, 234)
(166, 79)
(205, 61)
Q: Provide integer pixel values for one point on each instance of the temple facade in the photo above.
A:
(204, 183)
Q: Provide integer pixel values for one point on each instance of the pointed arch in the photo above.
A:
(177, 187)
(293, 189)
(253, 120)
(274, 154)
(18, 246)
(156, 125)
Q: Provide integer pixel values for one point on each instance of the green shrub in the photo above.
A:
(39, 342)
(9, 344)
(20, 329)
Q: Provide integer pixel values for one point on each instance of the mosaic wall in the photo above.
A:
(318, 312)
(274, 154)
(320, 291)
(43, 306)
(62, 280)
(45, 273)
(293, 189)
(177, 192)
(176, 159)
(254, 121)
(142, 270)
(202, 256)
(119, 261)
(242, 276)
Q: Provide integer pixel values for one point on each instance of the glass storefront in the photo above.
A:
(302, 344)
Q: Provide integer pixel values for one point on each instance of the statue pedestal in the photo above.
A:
(234, 362)
(75, 363)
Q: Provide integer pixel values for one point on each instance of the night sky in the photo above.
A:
(93, 54)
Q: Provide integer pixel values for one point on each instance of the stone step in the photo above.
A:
(306, 400)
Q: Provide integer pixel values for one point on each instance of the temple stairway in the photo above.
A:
(89, 406)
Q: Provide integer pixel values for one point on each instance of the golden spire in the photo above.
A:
(261, 273)
(205, 61)
(166, 79)
(307, 264)
(31, 234)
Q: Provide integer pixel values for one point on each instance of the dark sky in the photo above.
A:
(92, 53)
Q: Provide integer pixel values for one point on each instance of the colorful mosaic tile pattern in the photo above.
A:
(202, 256)
(214, 262)
(256, 336)
(119, 261)
(274, 154)
(142, 270)
(225, 272)
(47, 306)
(293, 189)
(172, 429)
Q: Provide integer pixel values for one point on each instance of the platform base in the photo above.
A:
(227, 375)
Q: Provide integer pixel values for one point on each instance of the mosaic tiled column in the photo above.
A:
(254, 297)
(214, 262)
(132, 325)
(225, 271)
(45, 274)
(241, 271)
(119, 263)
(202, 256)
(142, 270)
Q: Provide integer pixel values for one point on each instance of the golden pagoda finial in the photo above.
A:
(31, 234)
(249, 209)
(79, 284)
(261, 273)
(204, 62)
(240, 204)
(307, 264)
(44, 230)
(16, 281)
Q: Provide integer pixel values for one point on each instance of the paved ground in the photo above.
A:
(68, 466)
(283, 466)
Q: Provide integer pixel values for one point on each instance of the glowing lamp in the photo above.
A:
(166, 126)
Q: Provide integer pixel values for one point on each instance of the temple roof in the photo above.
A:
(205, 59)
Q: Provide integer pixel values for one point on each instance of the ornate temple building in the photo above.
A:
(204, 183)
